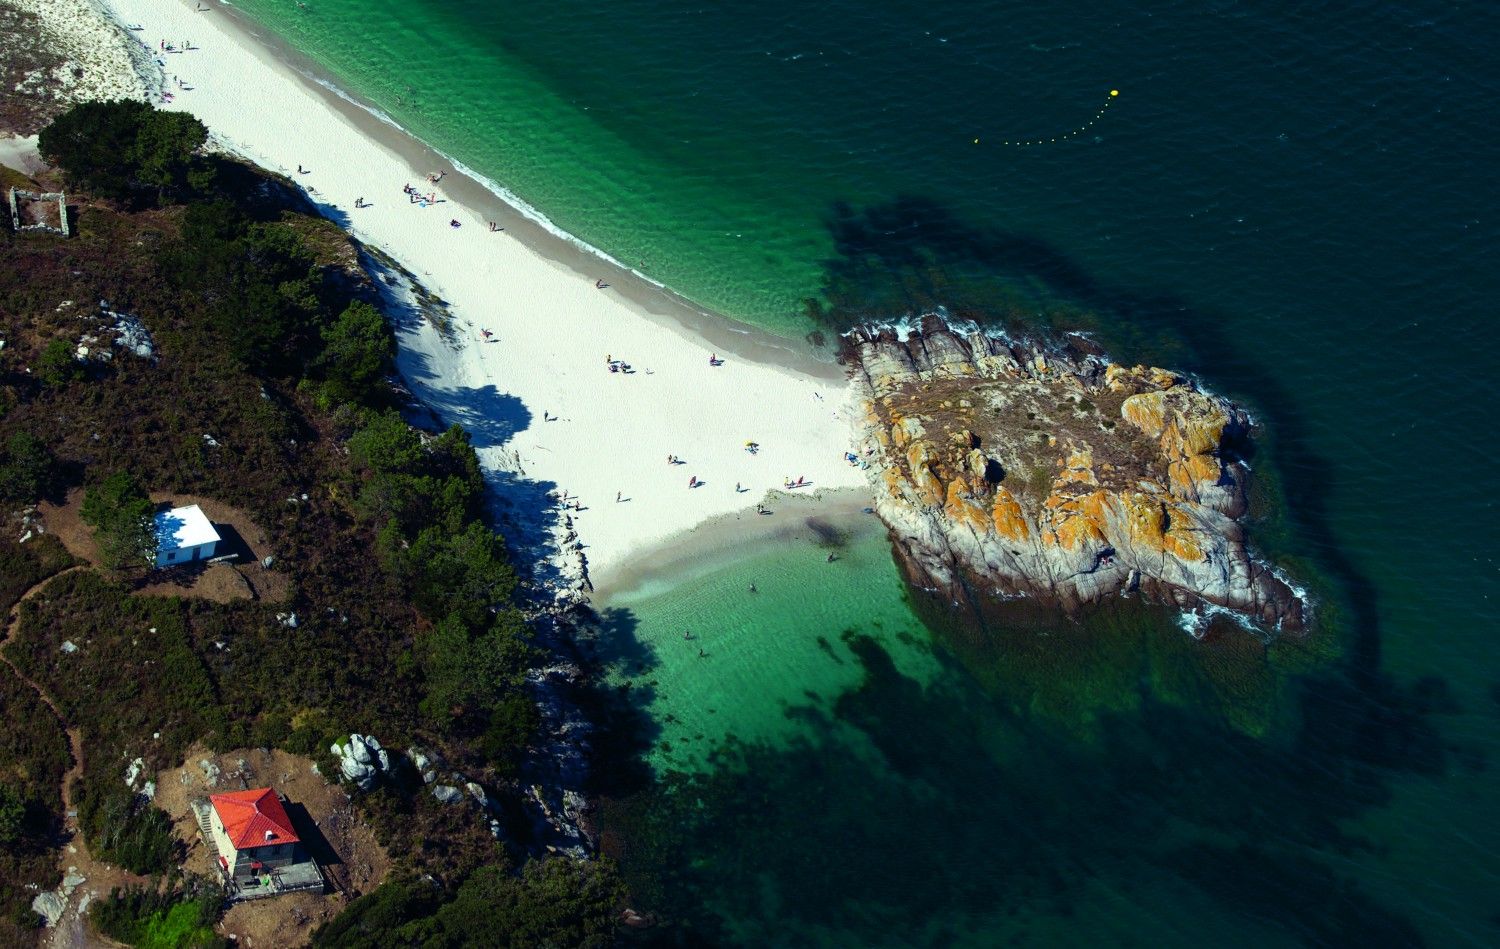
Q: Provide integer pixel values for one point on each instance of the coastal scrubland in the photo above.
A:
(264, 386)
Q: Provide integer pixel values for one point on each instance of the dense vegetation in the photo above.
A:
(267, 391)
(552, 903)
(159, 917)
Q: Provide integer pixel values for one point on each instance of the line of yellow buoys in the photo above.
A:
(1113, 94)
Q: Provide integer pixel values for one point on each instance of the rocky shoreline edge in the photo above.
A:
(1008, 468)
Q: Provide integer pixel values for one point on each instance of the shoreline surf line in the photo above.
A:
(492, 200)
(732, 535)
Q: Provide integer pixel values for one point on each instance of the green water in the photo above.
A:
(768, 656)
(1293, 201)
(462, 77)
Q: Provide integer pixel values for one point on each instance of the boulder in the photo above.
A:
(447, 793)
(49, 906)
(477, 792)
(361, 760)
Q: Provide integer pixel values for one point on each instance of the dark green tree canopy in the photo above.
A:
(125, 151)
(357, 351)
(12, 814)
(121, 515)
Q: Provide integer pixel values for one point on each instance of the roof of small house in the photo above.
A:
(248, 816)
(183, 527)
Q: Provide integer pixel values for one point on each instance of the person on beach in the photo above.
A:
(736, 487)
(600, 285)
(693, 481)
(454, 223)
(617, 497)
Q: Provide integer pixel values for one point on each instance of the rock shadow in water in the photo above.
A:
(945, 826)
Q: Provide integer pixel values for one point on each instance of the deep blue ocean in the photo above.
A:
(1297, 201)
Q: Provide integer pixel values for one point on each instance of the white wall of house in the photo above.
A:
(173, 557)
(221, 841)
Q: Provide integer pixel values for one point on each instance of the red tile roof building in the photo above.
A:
(252, 832)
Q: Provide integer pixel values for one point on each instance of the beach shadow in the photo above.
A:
(523, 509)
(491, 417)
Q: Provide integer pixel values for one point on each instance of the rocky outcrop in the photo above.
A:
(1008, 468)
(361, 760)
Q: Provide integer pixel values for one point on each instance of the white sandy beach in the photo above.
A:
(552, 329)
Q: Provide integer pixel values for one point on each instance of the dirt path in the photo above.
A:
(71, 931)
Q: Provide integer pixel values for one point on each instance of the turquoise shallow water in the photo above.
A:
(758, 660)
(1294, 201)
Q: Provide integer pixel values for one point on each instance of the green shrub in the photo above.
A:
(555, 902)
(254, 283)
(12, 814)
(121, 515)
(397, 913)
(155, 918)
(28, 471)
(123, 828)
(471, 674)
(58, 364)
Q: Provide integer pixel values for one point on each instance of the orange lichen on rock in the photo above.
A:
(962, 508)
(1181, 540)
(1075, 531)
(1010, 521)
(1058, 472)
(1147, 411)
(921, 458)
(1079, 468)
(1144, 519)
